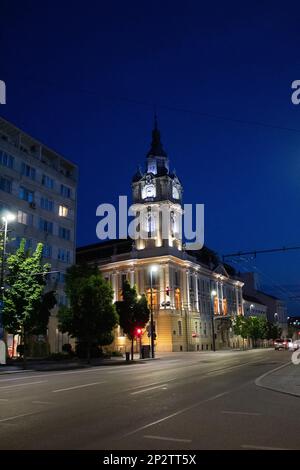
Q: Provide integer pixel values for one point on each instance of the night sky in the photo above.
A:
(85, 78)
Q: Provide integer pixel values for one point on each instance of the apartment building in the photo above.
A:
(39, 187)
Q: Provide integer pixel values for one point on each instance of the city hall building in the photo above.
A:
(191, 296)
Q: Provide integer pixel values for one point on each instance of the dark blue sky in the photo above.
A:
(84, 77)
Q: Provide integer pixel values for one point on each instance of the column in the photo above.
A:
(222, 297)
(131, 275)
(237, 300)
(114, 285)
(196, 293)
(188, 289)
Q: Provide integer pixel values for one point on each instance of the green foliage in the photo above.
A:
(133, 312)
(255, 328)
(273, 331)
(91, 315)
(26, 306)
(240, 326)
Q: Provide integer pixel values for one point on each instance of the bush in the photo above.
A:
(20, 349)
(81, 350)
(57, 356)
(67, 348)
(116, 354)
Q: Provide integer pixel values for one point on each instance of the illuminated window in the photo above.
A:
(154, 298)
(63, 211)
(224, 307)
(177, 299)
(216, 301)
(180, 328)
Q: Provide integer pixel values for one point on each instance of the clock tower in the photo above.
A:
(157, 199)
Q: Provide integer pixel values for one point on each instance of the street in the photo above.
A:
(179, 401)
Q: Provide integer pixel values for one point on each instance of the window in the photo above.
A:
(46, 226)
(63, 255)
(5, 184)
(176, 278)
(64, 233)
(63, 211)
(61, 277)
(26, 194)
(24, 218)
(6, 159)
(180, 328)
(65, 191)
(123, 279)
(28, 242)
(47, 204)
(47, 182)
(47, 251)
(28, 170)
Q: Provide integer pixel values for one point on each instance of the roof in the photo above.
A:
(104, 249)
(269, 295)
(255, 300)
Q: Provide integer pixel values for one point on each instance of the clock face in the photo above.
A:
(148, 191)
(175, 193)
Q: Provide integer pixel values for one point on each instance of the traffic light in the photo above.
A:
(138, 332)
(168, 291)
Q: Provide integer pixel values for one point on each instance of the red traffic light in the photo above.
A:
(138, 332)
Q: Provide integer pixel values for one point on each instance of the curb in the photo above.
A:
(258, 381)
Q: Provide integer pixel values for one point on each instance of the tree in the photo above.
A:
(257, 328)
(273, 331)
(240, 326)
(133, 312)
(27, 306)
(91, 315)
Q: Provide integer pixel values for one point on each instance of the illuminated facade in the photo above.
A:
(186, 293)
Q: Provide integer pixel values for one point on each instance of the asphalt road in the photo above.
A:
(180, 401)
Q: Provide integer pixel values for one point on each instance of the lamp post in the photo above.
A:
(153, 269)
(212, 295)
(8, 217)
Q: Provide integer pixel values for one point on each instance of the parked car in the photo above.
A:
(284, 343)
(279, 344)
(296, 344)
(289, 344)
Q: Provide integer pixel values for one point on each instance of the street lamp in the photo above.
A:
(7, 217)
(213, 295)
(153, 269)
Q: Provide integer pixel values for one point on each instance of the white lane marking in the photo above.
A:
(246, 413)
(23, 385)
(37, 402)
(148, 389)
(77, 386)
(161, 438)
(15, 417)
(149, 385)
(177, 413)
(248, 446)
(235, 366)
(96, 369)
(3, 399)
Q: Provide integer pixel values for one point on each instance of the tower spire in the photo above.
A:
(156, 145)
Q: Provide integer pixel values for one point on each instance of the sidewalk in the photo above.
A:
(283, 379)
(70, 364)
